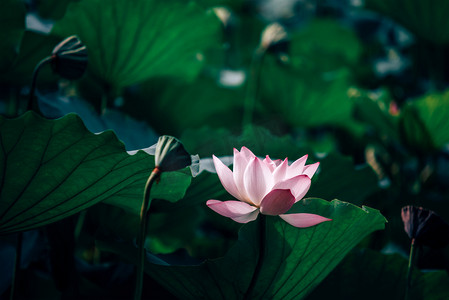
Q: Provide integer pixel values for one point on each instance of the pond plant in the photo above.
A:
(120, 170)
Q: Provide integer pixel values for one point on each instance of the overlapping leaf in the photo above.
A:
(131, 40)
(52, 169)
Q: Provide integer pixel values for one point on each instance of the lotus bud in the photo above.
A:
(273, 34)
(425, 227)
(69, 58)
(223, 14)
(170, 154)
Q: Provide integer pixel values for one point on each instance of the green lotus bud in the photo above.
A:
(425, 227)
(69, 58)
(170, 154)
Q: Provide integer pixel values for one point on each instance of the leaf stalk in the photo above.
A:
(31, 103)
(411, 258)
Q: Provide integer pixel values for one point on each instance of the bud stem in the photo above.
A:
(411, 258)
(31, 103)
(154, 176)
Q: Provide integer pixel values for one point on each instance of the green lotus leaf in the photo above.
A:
(132, 40)
(51, 169)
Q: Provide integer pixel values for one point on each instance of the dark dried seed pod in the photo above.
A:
(425, 227)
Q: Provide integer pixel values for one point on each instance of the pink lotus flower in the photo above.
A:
(264, 186)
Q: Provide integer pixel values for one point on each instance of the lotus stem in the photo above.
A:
(411, 258)
(39, 66)
(16, 264)
(253, 86)
(154, 176)
(257, 269)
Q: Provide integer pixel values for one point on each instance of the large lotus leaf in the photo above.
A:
(295, 262)
(132, 40)
(324, 44)
(51, 169)
(366, 274)
(427, 19)
(305, 99)
(424, 123)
